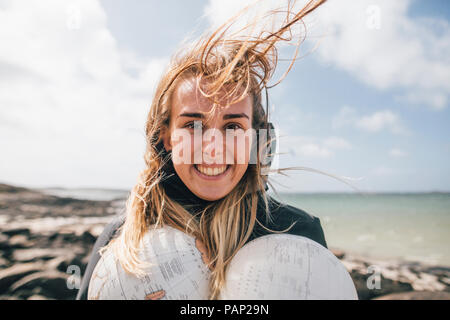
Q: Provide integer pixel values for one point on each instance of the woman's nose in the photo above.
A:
(213, 146)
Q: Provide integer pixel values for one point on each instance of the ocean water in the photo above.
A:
(88, 193)
(407, 227)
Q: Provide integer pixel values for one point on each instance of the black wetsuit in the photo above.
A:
(283, 216)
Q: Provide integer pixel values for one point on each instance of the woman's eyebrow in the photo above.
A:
(192, 115)
(235, 115)
(225, 117)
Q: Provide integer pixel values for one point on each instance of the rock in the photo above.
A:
(416, 295)
(53, 283)
(54, 263)
(62, 236)
(3, 263)
(38, 297)
(87, 237)
(61, 240)
(8, 298)
(85, 260)
(338, 253)
(97, 230)
(393, 276)
(28, 209)
(19, 241)
(428, 282)
(386, 286)
(12, 274)
(353, 266)
(441, 272)
(23, 294)
(16, 231)
(70, 260)
(29, 255)
(4, 241)
(406, 275)
(30, 203)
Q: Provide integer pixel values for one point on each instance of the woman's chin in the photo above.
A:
(211, 195)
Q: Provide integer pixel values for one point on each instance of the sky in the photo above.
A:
(368, 101)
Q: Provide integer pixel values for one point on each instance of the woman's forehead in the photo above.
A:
(188, 98)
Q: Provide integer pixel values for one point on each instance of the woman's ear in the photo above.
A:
(165, 135)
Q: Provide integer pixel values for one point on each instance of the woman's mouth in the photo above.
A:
(211, 172)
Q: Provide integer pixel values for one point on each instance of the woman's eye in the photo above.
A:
(199, 125)
(233, 126)
(194, 125)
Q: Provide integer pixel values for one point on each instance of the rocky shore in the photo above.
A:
(46, 241)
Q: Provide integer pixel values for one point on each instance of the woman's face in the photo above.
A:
(209, 163)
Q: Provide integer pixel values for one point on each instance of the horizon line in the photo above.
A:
(270, 191)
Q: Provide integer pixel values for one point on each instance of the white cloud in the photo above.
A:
(68, 96)
(375, 122)
(306, 146)
(302, 146)
(397, 153)
(337, 143)
(374, 40)
(312, 150)
(346, 116)
(378, 121)
(383, 171)
(438, 100)
(411, 54)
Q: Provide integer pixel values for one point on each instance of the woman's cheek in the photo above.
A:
(238, 149)
(242, 151)
(193, 151)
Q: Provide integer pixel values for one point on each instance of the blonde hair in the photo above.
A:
(220, 61)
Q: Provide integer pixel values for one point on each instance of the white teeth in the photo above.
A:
(211, 171)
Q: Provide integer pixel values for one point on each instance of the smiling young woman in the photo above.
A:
(214, 179)
(214, 85)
